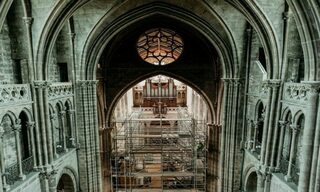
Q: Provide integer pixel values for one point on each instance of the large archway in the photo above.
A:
(66, 184)
(120, 67)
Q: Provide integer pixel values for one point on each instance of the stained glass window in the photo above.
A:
(160, 46)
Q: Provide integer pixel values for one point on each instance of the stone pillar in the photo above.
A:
(72, 138)
(308, 135)
(267, 183)
(260, 181)
(249, 134)
(314, 176)
(255, 126)
(31, 68)
(317, 179)
(87, 124)
(274, 84)
(53, 117)
(294, 129)
(62, 116)
(17, 128)
(223, 135)
(265, 125)
(282, 125)
(42, 105)
(3, 182)
(48, 181)
(30, 127)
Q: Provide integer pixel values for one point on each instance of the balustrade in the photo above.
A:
(14, 94)
(60, 90)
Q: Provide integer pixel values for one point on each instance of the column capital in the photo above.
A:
(62, 113)
(273, 83)
(31, 125)
(256, 123)
(28, 20)
(42, 84)
(53, 116)
(72, 35)
(71, 111)
(295, 128)
(226, 80)
(283, 122)
(286, 15)
(48, 175)
(16, 127)
(86, 83)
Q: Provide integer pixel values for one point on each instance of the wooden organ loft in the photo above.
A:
(160, 92)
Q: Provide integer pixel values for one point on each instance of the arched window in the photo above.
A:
(260, 122)
(24, 137)
(285, 155)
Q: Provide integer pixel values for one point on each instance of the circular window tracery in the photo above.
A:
(160, 46)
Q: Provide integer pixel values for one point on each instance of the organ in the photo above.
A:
(161, 90)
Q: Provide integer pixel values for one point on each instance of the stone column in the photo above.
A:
(223, 135)
(265, 124)
(48, 181)
(250, 126)
(314, 178)
(63, 130)
(255, 126)
(308, 135)
(317, 179)
(42, 105)
(274, 83)
(30, 127)
(261, 177)
(31, 68)
(267, 182)
(282, 125)
(88, 136)
(72, 138)
(17, 128)
(3, 182)
(294, 129)
(53, 117)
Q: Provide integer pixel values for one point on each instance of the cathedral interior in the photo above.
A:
(159, 95)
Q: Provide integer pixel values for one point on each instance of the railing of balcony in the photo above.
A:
(60, 90)
(14, 93)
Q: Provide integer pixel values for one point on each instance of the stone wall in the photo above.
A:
(6, 62)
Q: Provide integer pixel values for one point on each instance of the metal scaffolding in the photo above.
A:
(159, 154)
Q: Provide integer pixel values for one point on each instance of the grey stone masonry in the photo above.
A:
(89, 153)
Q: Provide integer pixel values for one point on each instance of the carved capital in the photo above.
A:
(71, 111)
(16, 127)
(48, 175)
(273, 83)
(72, 35)
(62, 113)
(82, 83)
(31, 125)
(286, 15)
(226, 81)
(295, 128)
(283, 123)
(28, 20)
(53, 116)
(41, 84)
